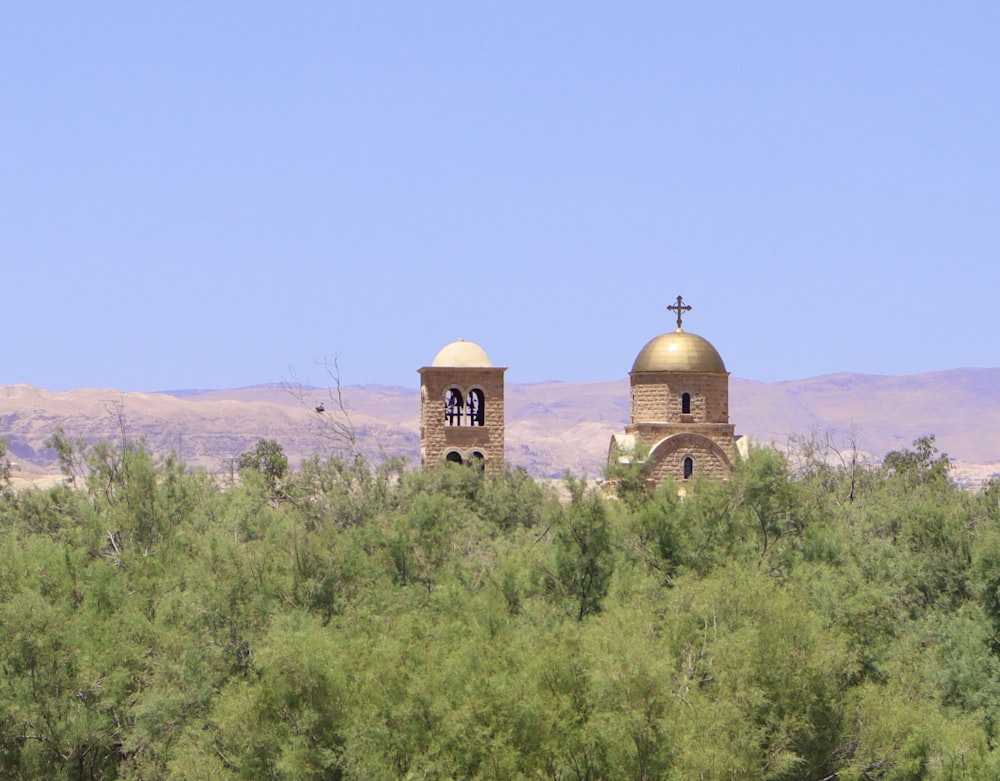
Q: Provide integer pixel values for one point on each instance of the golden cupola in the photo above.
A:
(678, 351)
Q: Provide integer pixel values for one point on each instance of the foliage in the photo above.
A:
(583, 556)
(268, 460)
(811, 618)
(4, 469)
(921, 464)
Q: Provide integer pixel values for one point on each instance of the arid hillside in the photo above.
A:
(551, 427)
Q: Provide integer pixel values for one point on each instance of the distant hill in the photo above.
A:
(961, 407)
(551, 426)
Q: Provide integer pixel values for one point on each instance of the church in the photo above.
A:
(679, 409)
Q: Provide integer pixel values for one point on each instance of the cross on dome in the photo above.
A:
(680, 308)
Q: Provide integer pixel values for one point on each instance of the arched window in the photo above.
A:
(477, 460)
(476, 407)
(453, 407)
(685, 403)
(688, 467)
(453, 458)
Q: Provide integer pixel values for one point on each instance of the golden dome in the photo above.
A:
(462, 353)
(678, 351)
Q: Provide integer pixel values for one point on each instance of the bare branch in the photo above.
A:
(331, 414)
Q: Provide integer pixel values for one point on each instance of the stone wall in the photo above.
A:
(706, 464)
(722, 434)
(656, 396)
(709, 459)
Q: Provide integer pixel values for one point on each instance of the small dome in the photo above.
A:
(462, 353)
(678, 351)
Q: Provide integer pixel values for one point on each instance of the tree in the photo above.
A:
(584, 560)
(4, 468)
(630, 474)
(332, 419)
(69, 452)
(267, 459)
(920, 464)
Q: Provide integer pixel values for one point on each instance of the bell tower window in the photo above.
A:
(453, 407)
(475, 407)
(688, 467)
(685, 403)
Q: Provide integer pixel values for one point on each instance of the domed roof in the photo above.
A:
(678, 351)
(463, 354)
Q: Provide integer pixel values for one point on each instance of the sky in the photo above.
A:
(214, 195)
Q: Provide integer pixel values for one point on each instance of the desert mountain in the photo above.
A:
(551, 426)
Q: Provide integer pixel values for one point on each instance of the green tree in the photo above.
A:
(630, 475)
(584, 560)
(266, 459)
(921, 464)
(5, 491)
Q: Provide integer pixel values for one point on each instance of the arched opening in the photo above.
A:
(685, 403)
(476, 407)
(477, 460)
(453, 457)
(453, 407)
(688, 455)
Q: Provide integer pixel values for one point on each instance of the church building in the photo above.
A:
(679, 419)
(678, 425)
(461, 408)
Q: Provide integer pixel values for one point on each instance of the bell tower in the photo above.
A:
(461, 408)
(679, 417)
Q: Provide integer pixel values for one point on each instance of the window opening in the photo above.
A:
(476, 408)
(477, 460)
(453, 407)
(453, 458)
(688, 467)
(686, 404)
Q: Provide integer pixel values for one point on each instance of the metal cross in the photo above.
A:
(680, 308)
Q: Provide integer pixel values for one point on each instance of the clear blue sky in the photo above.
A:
(219, 194)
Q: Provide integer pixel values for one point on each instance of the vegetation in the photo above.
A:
(347, 622)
